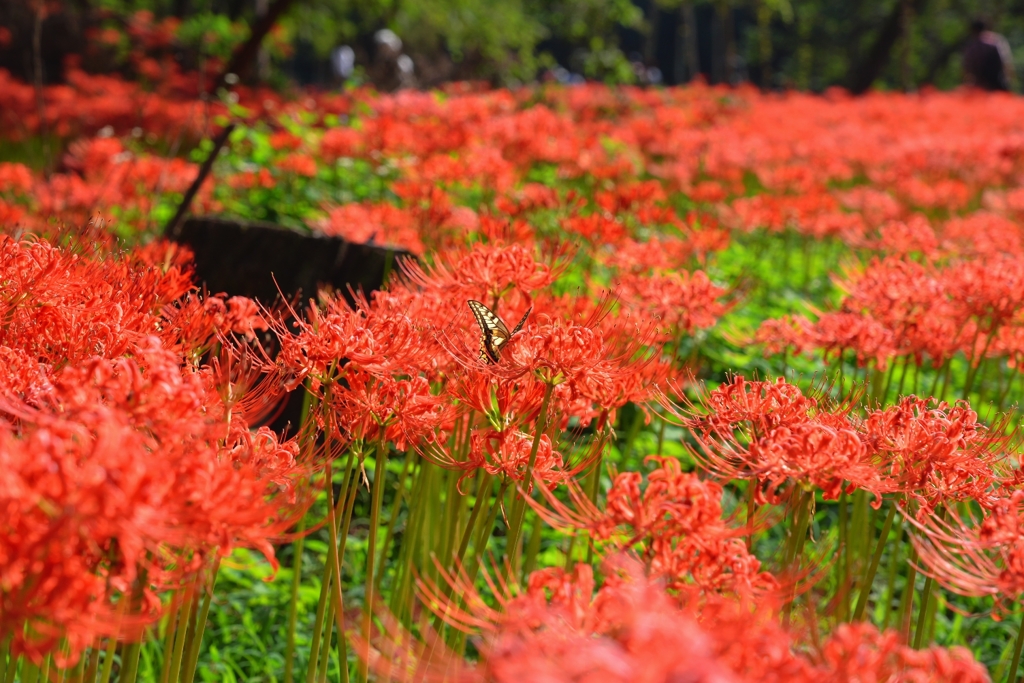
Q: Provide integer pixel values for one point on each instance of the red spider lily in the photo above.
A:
(488, 273)
(990, 290)
(369, 408)
(772, 433)
(976, 555)
(932, 452)
(683, 302)
(507, 453)
(559, 628)
(130, 470)
(378, 337)
(503, 402)
(982, 234)
(834, 334)
(906, 238)
(62, 307)
(676, 526)
(858, 652)
(909, 301)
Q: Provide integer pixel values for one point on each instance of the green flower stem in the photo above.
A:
(293, 604)
(907, 599)
(871, 569)
(318, 622)
(890, 583)
(5, 651)
(337, 607)
(192, 657)
(181, 631)
(519, 507)
(170, 638)
(1017, 645)
(533, 547)
(130, 662)
(324, 656)
(93, 666)
(29, 672)
(108, 661)
(843, 565)
(379, 475)
(395, 507)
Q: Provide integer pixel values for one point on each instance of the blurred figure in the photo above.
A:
(988, 63)
(343, 63)
(390, 68)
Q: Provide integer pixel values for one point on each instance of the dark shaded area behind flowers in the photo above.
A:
(839, 498)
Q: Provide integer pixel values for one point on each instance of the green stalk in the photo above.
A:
(192, 658)
(903, 377)
(395, 507)
(907, 600)
(972, 371)
(926, 599)
(595, 486)
(888, 381)
(5, 651)
(94, 664)
(869, 573)
(108, 661)
(29, 672)
(324, 656)
(12, 670)
(533, 547)
(293, 607)
(795, 546)
(843, 566)
(484, 533)
(482, 496)
(170, 637)
(130, 662)
(184, 614)
(75, 675)
(890, 584)
(751, 510)
(1017, 645)
(318, 622)
(337, 606)
(519, 507)
(379, 475)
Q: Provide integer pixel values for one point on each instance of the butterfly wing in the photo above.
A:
(523, 320)
(493, 331)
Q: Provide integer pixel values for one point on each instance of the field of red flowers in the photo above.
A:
(758, 423)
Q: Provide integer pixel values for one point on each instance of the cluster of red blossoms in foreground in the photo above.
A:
(125, 467)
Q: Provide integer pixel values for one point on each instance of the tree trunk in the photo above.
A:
(690, 28)
(764, 36)
(871, 67)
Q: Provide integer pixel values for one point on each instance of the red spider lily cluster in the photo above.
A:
(126, 466)
(561, 627)
(773, 434)
(900, 308)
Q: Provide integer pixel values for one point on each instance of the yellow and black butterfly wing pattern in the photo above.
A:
(523, 320)
(493, 332)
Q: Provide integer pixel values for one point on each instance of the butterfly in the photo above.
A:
(494, 333)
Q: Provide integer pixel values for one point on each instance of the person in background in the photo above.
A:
(988, 63)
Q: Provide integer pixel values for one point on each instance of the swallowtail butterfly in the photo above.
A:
(494, 332)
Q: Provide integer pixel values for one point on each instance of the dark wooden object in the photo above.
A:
(246, 258)
(254, 259)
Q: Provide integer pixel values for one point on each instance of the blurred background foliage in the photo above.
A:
(804, 44)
